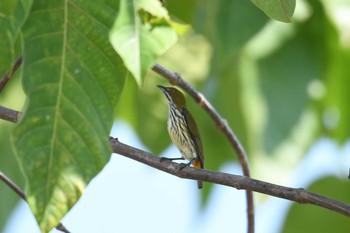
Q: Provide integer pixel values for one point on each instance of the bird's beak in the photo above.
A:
(164, 89)
(165, 92)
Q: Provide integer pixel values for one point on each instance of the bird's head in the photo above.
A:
(173, 96)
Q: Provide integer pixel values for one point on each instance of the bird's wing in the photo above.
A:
(196, 138)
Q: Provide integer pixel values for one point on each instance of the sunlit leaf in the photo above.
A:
(142, 32)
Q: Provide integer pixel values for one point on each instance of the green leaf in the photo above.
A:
(141, 32)
(73, 80)
(281, 10)
(310, 218)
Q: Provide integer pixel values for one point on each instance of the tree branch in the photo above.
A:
(8, 75)
(13, 186)
(5, 113)
(9, 114)
(239, 182)
(176, 79)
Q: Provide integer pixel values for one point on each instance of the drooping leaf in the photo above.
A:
(281, 10)
(72, 78)
(142, 32)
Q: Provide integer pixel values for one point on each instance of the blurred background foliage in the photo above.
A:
(280, 86)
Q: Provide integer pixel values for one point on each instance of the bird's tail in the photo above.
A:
(199, 184)
(198, 164)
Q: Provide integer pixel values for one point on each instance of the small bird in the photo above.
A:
(183, 130)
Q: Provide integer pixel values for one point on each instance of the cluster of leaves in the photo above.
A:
(266, 78)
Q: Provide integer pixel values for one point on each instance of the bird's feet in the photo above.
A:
(183, 165)
(171, 159)
(164, 158)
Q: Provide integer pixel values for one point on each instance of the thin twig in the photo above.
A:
(13, 186)
(239, 182)
(8, 75)
(176, 79)
(9, 114)
(5, 113)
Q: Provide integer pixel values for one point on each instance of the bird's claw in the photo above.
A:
(183, 165)
(164, 158)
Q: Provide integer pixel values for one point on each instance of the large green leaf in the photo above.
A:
(309, 218)
(281, 10)
(73, 79)
(141, 32)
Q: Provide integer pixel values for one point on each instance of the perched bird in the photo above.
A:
(183, 130)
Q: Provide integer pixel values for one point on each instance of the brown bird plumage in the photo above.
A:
(183, 130)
